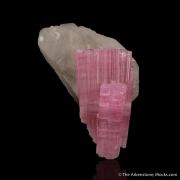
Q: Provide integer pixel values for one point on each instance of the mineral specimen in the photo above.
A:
(58, 44)
(104, 78)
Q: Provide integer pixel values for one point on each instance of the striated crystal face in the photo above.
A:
(105, 79)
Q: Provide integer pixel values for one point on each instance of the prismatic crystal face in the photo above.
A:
(104, 80)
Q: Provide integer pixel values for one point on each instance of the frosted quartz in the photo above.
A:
(104, 79)
(58, 45)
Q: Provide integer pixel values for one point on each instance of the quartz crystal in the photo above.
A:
(60, 44)
(104, 79)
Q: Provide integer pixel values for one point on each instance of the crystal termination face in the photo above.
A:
(104, 81)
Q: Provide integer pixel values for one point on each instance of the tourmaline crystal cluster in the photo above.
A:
(99, 76)
(104, 79)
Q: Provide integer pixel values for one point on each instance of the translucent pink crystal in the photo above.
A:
(104, 79)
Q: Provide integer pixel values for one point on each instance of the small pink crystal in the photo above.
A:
(104, 79)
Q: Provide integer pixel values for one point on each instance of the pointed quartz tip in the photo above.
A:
(41, 37)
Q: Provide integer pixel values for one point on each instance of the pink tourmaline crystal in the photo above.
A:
(104, 78)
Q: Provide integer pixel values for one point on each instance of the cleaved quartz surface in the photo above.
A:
(59, 45)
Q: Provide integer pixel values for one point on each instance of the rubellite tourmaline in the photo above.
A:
(104, 80)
